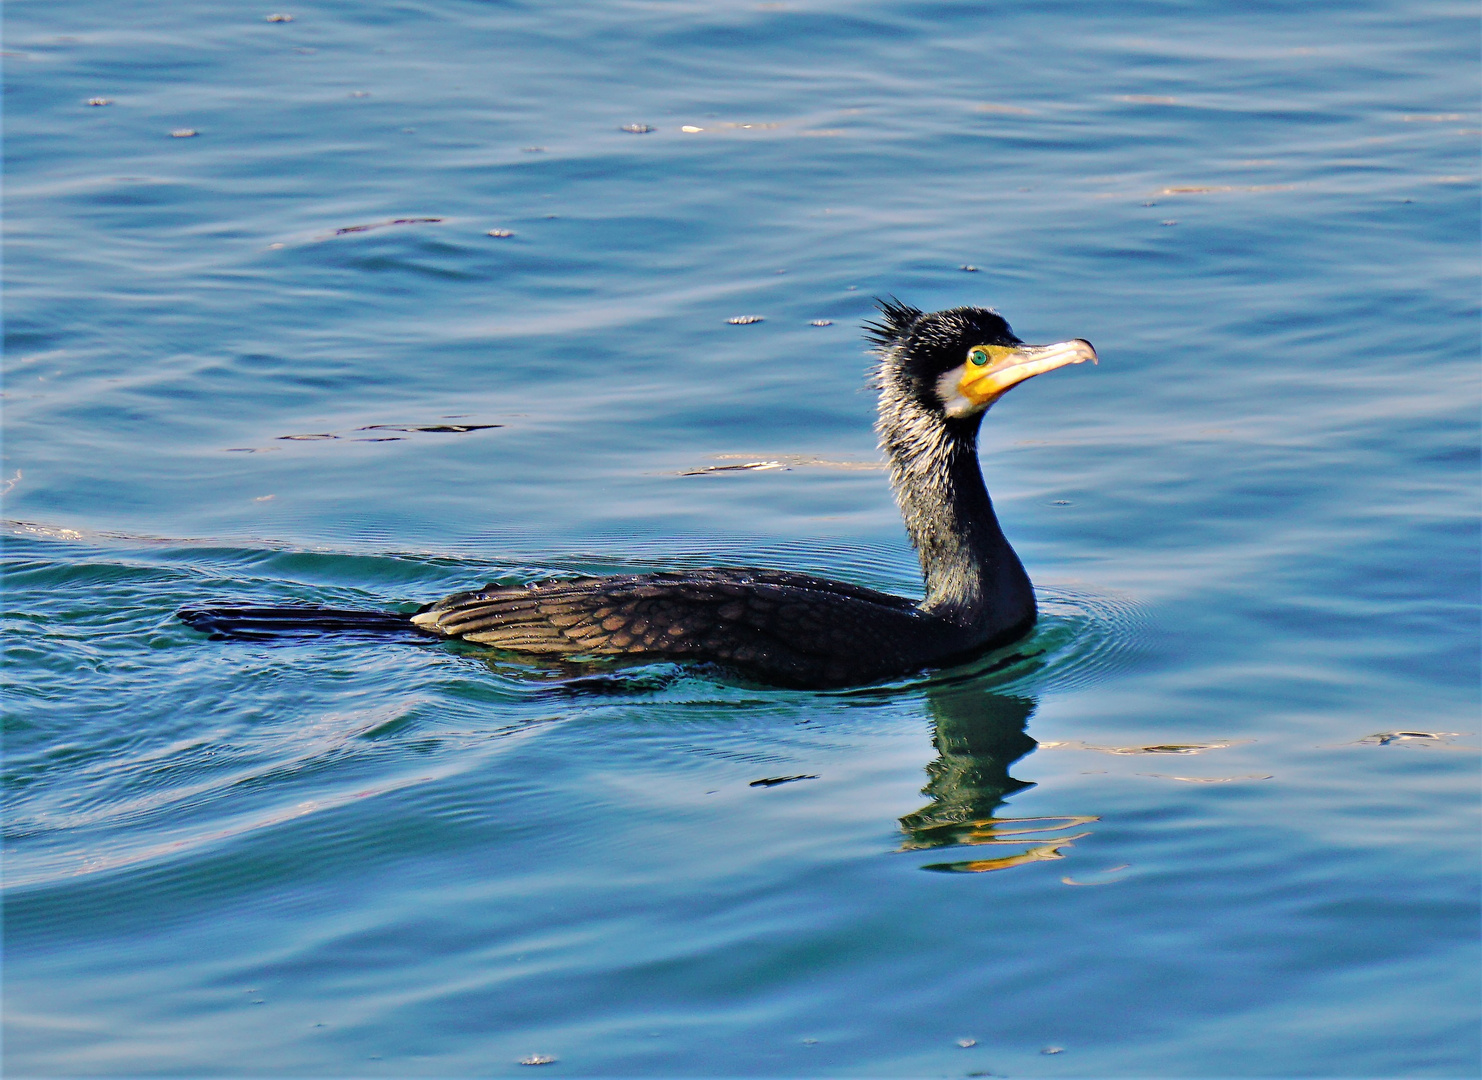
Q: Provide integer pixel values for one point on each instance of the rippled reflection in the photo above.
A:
(979, 735)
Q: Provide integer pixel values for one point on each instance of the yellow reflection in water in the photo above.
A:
(995, 831)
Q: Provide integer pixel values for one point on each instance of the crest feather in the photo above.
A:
(896, 319)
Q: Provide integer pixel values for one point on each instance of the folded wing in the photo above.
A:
(786, 627)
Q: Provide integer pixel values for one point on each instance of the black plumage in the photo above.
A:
(789, 629)
(780, 627)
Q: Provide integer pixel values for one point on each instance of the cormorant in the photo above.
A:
(938, 374)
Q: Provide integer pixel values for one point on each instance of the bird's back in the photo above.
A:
(783, 627)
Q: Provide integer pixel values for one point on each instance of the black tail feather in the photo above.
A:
(260, 623)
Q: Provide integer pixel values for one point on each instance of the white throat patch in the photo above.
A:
(954, 404)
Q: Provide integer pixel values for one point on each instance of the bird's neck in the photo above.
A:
(973, 577)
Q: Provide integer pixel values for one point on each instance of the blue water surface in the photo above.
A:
(1218, 816)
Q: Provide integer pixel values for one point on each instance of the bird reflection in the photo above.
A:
(978, 737)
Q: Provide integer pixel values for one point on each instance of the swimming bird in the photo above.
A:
(937, 375)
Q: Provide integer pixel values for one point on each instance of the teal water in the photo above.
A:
(1218, 817)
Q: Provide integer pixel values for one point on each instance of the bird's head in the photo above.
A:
(960, 361)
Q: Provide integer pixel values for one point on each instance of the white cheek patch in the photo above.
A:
(954, 403)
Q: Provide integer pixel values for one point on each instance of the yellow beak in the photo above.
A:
(1008, 366)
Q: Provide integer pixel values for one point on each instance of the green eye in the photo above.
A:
(978, 356)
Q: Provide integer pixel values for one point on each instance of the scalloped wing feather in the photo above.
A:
(788, 627)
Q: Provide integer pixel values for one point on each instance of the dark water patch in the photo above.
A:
(773, 781)
(348, 229)
(450, 429)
